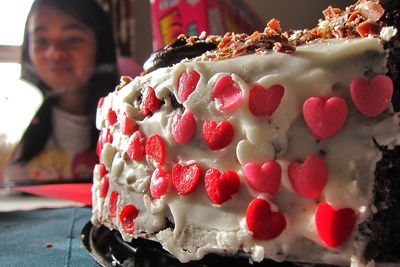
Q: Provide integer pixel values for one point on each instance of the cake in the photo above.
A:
(274, 145)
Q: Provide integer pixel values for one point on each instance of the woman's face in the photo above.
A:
(62, 49)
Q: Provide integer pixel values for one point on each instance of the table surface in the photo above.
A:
(48, 234)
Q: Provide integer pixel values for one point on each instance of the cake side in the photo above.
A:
(165, 175)
(191, 225)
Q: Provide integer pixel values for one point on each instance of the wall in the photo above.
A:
(292, 14)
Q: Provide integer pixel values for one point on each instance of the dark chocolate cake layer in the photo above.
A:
(385, 224)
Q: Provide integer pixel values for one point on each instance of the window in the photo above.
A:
(12, 22)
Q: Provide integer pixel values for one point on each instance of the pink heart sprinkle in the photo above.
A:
(264, 223)
(264, 179)
(264, 102)
(220, 187)
(228, 95)
(308, 179)
(183, 127)
(217, 136)
(187, 84)
(372, 98)
(159, 183)
(325, 117)
(334, 226)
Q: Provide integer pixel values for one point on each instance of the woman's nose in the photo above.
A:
(56, 51)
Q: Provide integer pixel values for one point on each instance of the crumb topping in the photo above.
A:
(358, 20)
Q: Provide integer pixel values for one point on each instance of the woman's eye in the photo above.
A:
(74, 40)
(40, 41)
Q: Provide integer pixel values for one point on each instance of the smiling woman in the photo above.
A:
(69, 54)
(63, 52)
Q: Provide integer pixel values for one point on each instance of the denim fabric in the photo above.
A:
(24, 235)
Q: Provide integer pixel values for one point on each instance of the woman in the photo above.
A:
(69, 53)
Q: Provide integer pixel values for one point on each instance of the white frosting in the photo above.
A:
(323, 69)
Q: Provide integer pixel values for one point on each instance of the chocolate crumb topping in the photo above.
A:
(181, 48)
(363, 19)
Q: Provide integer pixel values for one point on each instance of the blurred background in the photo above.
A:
(141, 27)
(132, 21)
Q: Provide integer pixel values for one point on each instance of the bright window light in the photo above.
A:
(12, 20)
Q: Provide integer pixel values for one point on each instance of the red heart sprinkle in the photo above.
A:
(159, 183)
(103, 186)
(150, 101)
(264, 179)
(228, 95)
(324, 116)
(126, 125)
(264, 102)
(136, 146)
(127, 216)
(100, 103)
(372, 98)
(187, 84)
(155, 149)
(111, 116)
(104, 137)
(334, 226)
(264, 223)
(102, 170)
(183, 127)
(308, 179)
(220, 187)
(217, 136)
(113, 203)
(185, 178)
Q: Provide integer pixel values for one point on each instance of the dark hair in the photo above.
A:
(104, 78)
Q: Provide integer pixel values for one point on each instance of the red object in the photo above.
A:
(136, 146)
(103, 186)
(159, 183)
(111, 116)
(308, 179)
(187, 83)
(324, 116)
(228, 95)
(372, 98)
(264, 223)
(217, 136)
(127, 216)
(264, 102)
(183, 127)
(104, 137)
(102, 170)
(185, 178)
(112, 207)
(76, 192)
(150, 101)
(220, 187)
(155, 149)
(126, 125)
(265, 178)
(334, 226)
